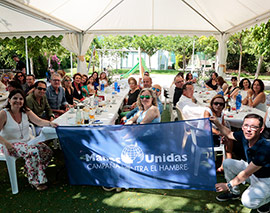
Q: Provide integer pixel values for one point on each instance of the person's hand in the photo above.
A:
(66, 109)
(51, 118)
(123, 120)
(213, 119)
(54, 125)
(221, 187)
(133, 105)
(9, 146)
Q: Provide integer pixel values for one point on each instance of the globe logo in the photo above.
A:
(131, 153)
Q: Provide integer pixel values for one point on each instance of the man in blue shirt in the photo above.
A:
(255, 171)
(56, 96)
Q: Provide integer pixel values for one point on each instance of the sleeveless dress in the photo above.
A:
(260, 106)
(142, 115)
(37, 157)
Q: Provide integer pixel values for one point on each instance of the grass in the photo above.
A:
(63, 197)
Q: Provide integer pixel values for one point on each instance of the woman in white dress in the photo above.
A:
(14, 136)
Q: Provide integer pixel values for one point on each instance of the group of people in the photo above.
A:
(32, 101)
(255, 169)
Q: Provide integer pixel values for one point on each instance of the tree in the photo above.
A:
(149, 44)
(260, 43)
(179, 45)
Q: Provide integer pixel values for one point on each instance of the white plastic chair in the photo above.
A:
(11, 162)
(11, 166)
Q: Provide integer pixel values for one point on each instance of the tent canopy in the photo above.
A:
(182, 17)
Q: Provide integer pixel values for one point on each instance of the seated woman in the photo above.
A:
(103, 79)
(69, 90)
(256, 97)
(96, 80)
(212, 83)
(21, 79)
(244, 86)
(130, 100)
(189, 78)
(4, 81)
(91, 86)
(84, 80)
(76, 84)
(232, 88)
(222, 84)
(217, 105)
(14, 135)
(148, 110)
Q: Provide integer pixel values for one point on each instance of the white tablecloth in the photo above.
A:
(107, 117)
(234, 118)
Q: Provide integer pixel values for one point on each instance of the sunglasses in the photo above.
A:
(55, 80)
(67, 80)
(219, 103)
(145, 96)
(41, 88)
(20, 76)
(6, 77)
(156, 89)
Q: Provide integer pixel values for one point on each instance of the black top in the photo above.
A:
(20, 65)
(132, 97)
(209, 83)
(77, 93)
(258, 154)
(230, 90)
(177, 95)
(69, 97)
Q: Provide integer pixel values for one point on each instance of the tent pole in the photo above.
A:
(71, 65)
(26, 57)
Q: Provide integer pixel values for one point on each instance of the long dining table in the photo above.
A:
(233, 117)
(107, 114)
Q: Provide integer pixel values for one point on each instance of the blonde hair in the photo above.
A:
(63, 81)
(154, 98)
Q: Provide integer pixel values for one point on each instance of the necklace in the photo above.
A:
(20, 127)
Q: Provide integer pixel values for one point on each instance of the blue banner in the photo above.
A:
(173, 155)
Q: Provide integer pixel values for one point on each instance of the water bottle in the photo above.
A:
(118, 89)
(238, 101)
(96, 102)
(221, 92)
(115, 86)
(78, 116)
(102, 87)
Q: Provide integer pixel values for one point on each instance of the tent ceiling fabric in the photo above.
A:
(184, 17)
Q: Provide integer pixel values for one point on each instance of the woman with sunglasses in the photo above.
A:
(256, 97)
(216, 107)
(69, 90)
(14, 136)
(4, 81)
(148, 110)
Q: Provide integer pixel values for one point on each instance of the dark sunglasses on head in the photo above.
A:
(41, 88)
(156, 89)
(218, 103)
(145, 96)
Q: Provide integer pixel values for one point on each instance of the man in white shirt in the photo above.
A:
(187, 103)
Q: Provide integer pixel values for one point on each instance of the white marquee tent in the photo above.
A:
(81, 20)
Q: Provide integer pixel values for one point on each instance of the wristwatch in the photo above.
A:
(229, 186)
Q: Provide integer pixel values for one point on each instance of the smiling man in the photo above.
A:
(255, 171)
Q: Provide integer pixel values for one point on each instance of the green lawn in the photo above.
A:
(63, 197)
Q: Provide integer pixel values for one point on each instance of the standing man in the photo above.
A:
(30, 81)
(20, 65)
(38, 103)
(178, 91)
(255, 171)
(56, 96)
